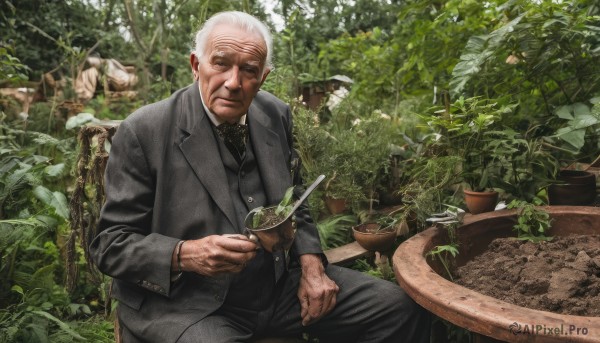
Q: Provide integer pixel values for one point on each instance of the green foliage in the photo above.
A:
(335, 230)
(532, 222)
(382, 270)
(115, 109)
(552, 48)
(442, 253)
(465, 130)
(544, 57)
(286, 204)
(356, 155)
(369, 60)
(525, 165)
(477, 51)
(412, 56)
(282, 210)
(11, 68)
(386, 221)
(281, 82)
(429, 181)
(34, 176)
(29, 23)
(579, 121)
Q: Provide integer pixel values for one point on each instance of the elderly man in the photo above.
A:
(182, 175)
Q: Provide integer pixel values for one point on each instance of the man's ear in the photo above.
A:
(195, 64)
(265, 73)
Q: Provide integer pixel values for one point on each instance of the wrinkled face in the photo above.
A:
(231, 71)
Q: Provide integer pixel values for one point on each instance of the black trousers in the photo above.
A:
(367, 310)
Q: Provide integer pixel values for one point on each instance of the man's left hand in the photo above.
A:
(316, 292)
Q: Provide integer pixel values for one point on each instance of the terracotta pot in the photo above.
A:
(474, 311)
(335, 206)
(578, 189)
(480, 202)
(371, 237)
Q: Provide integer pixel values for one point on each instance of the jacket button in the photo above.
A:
(276, 258)
(250, 199)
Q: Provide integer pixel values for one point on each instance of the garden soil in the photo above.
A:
(561, 276)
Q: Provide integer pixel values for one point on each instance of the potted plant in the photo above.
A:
(322, 153)
(355, 161)
(274, 226)
(376, 235)
(526, 164)
(467, 129)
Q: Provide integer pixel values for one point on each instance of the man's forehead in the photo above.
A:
(225, 37)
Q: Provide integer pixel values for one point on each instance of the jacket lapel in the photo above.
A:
(201, 151)
(269, 155)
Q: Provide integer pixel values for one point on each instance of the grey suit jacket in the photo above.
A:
(165, 182)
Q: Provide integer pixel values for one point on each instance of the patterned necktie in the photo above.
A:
(234, 135)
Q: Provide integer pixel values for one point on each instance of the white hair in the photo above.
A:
(241, 20)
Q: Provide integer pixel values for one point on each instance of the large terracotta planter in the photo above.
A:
(477, 312)
(578, 188)
(480, 202)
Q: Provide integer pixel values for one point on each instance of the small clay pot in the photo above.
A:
(576, 188)
(335, 206)
(372, 237)
(480, 202)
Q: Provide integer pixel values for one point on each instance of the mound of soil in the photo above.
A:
(561, 276)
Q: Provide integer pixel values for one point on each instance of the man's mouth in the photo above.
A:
(229, 100)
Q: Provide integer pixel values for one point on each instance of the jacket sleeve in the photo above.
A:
(125, 247)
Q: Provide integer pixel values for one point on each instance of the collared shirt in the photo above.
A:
(213, 118)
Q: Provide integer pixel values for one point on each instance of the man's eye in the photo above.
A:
(251, 70)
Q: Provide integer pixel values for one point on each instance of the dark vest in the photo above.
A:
(253, 288)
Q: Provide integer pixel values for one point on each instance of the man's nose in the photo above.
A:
(233, 81)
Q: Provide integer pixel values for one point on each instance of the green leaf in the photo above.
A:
(580, 109)
(65, 327)
(18, 289)
(286, 202)
(54, 170)
(583, 121)
(564, 112)
(575, 138)
(56, 200)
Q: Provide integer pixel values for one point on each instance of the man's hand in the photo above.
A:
(316, 292)
(217, 254)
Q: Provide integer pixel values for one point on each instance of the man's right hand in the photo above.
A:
(217, 254)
